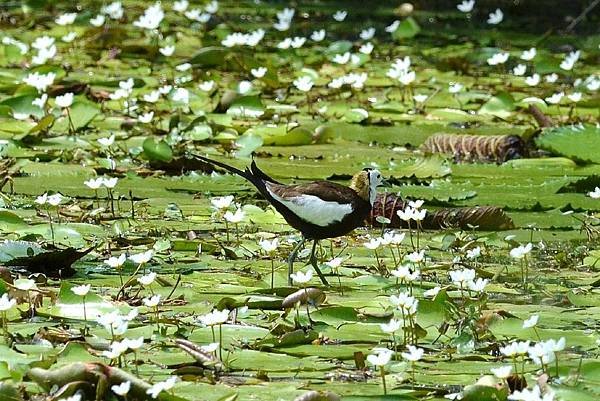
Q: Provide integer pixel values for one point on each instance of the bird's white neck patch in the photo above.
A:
(375, 180)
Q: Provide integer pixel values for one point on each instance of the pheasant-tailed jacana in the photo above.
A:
(319, 210)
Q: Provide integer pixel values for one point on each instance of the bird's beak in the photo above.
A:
(385, 183)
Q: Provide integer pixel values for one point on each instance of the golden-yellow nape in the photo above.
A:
(360, 184)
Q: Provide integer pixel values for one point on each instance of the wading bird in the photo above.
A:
(319, 210)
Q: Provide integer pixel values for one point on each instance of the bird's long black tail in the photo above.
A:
(245, 174)
(253, 174)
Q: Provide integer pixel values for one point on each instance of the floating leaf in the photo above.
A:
(578, 142)
(157, 150)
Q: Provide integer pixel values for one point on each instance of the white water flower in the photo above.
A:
(81, 290)
(367, 34)
(121, 389)
(40, 101)
(244, 87)
(531, 322)
(373, 243)
(212, 7)
(151, 97)
(151, 18)
(44, 55)
(6, 303)
(392, 237)
(595, 194)
(69, 37)
(167, 51)
(391, 28)
(334, 263)
(533, 80)
(159, 387)
(473, 253)
(391, 327)
(461, 278)
(404, 273)
(269, 246)
(181, 95)
(340, 15)
(236, 217)
(65, 100)
(304, 83)
(206, 86)
(575, 97)
(210, 348)
(66, 19)
(116, 262)
(477, 285)
(420, 98)
(114, 10)
(405, 302)
(98, 20)
(134, 343)
(416, 257)
(498, 58)
(153, 301)
(528, 55)
(223, 202)
(414, 354)
(555, 98)
(407, 77)
(302, 278)
(381, 357)
(183, 67)
(110, 182)
(106, 142)
(214, 318)
(147, 279)
(551, 78)
(318, 36)
(515, 348)
(142, 257)
(570, 60)
(42, 42)
(520, 70)
(432, 292)
(466, 6)
(39, 81)
(181, 5)
(341, 58)
(367, 48)
(258, 72)
(297, 42)
(496, 17)
(146, 117)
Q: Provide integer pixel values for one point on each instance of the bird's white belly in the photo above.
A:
(315, 210)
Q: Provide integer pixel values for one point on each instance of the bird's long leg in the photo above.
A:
(313, 262)
(292, 257)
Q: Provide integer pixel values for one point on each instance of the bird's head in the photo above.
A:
(365, 184)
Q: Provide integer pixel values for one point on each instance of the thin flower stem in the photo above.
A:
(393, 257)
(307, 309)
(272, 272)
(221, 342)
(382, 371)
(71, 126)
